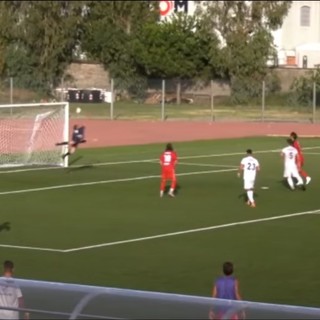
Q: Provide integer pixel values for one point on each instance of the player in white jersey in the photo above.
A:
(249, 166)
(10, 294)
(290, 157)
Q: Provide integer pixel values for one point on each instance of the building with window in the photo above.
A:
(298, 40)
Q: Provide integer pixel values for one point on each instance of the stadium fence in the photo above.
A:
(50, 300)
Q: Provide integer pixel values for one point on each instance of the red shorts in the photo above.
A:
(301, 159)
(220, 316)
(168, 174)
(300, 162)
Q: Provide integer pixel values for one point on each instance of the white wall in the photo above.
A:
(293, 34)
(313, 58)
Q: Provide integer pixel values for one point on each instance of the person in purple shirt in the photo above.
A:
(226, 287)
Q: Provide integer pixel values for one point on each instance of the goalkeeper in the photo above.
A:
(77, 138)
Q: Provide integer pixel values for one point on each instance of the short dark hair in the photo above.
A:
(227, 268)
(290, 142)
(75, 127)
(169, 147)
(294, 135)
(8, 265)
(249, 151)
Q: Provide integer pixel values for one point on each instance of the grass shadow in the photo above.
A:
(88, 166)
(77, 168)
(244, 196)
(176, 191)
(75, 160)
(286, 185)
(6, 226)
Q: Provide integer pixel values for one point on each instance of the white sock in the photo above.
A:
(250, 196)
(161, 193)
(171, 190)
(300, 181)
(290, 181)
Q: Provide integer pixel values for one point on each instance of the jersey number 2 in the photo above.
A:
(251, 166)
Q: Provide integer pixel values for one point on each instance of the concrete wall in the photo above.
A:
(287, 76)
(87, 75)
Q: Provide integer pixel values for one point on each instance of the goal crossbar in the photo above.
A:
(15, 105)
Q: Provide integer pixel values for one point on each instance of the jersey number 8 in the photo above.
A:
(167, 158)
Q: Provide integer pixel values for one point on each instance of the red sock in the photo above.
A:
(173, 184)
(163, 185)
(303, 173)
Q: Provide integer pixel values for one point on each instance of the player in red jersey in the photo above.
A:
(168, 161)
(300, 159)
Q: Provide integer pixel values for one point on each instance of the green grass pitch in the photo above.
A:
(77, 224)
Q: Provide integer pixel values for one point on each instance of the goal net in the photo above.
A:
(49, 300)
(29, 133)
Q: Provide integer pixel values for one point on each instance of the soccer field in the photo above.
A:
(101, 221)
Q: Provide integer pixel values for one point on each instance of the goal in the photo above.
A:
(29, 133)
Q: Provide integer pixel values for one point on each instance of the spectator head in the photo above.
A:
(227, 268)
(8, 267)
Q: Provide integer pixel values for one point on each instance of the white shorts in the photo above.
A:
(291, 172)
(248, 184)
(9, 314)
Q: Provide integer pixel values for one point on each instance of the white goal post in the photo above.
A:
(29, 133)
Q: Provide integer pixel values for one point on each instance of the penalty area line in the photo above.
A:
(100, 164)
(30, 248)
(165, 235)
(93, 183)
(196, 164)
(172, 234)
(312, 153)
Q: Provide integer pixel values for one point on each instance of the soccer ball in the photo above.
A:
(78, 110)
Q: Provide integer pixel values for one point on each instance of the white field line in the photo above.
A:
(165, 235)
(287, 136)
(206, 165)
(30, 248)
(99, 164)
(119, 180)
(83, 184)
(171, 234)
(312, 153)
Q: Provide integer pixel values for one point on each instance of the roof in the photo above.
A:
(312, 46)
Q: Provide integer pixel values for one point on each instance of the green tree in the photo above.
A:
(110, 29)
(8, 20)
(301, 89)
(177, 49)
(245, 30)
(42, 38)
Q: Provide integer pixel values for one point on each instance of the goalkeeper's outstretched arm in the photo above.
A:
(62, 143)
